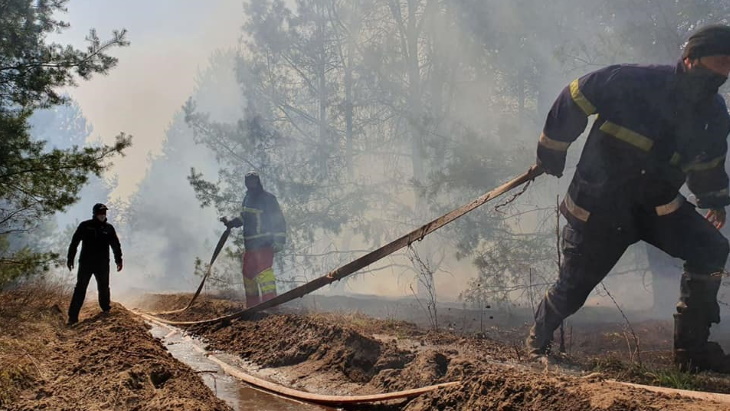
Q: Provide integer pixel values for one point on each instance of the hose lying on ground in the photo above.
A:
(708, 396)
(303, 395)
(700, 395)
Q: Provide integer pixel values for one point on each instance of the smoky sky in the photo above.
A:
(171, 40)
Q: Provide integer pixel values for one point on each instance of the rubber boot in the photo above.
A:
(692, 351)
(547, 320)
(537, 345)
(708, 357)
(696, 312)
(689, 338)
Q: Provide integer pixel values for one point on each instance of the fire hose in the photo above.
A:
(364, 261)
(218, 248)
(351, 268)
(299, 395)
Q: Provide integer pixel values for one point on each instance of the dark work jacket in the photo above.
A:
(648, 139)
(263, 222)
(97, 238)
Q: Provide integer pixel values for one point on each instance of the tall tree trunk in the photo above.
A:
(349, 108)
(414, 92)
(322, 85)
(521, 93)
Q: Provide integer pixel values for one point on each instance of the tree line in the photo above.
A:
(366, 118)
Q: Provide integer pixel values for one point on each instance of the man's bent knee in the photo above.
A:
(711, 259)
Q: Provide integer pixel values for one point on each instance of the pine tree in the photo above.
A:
(37, 181)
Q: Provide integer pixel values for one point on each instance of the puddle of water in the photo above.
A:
(238, 395)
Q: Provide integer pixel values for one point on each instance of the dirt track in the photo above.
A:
(103, 363)
(111, 362)
(336, 354)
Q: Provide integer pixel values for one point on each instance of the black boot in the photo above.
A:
(537, 345)
(696, 312)
(708, 357)
(547, 320)
(692, 351)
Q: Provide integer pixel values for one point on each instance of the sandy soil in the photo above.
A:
(103, 363)
(112, 363)
(352, 353)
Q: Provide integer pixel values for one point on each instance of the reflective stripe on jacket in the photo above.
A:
(646, 142)
(263, 222)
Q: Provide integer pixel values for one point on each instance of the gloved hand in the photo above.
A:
(553, 171)
(550, 161)
(70, 265)
(119, 266)
(277, 247)
(236, 222)
(716, 217)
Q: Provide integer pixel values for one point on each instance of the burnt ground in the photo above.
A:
(103, 363)
(351, 353)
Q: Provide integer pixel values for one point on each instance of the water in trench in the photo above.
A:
(234, 392)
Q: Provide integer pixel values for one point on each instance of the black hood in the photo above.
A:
(253, 182)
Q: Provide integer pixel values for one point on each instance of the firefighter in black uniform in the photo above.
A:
(97, 236)
(657, 127)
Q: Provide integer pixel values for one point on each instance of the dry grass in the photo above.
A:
(27, 311)
(663, 376)
(368, 325)
(18, 368)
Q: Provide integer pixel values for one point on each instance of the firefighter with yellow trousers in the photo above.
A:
(264, 233)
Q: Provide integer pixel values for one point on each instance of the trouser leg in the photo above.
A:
(83, 276)
(101, 274)
(251, 288)
(686, 234)
(250, 269)
(590, 250)
(696, 311)
(258, 276)
(267, 284)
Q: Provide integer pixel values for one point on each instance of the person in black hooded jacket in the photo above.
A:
(96, 236)
(657, 128)
(264, 233)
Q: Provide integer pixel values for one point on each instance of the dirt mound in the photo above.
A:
(163, 302)
(315, 344)
(503, 391)
(205, 306)
(355, 354)
(104, 362)
(500, 388)
(427, 368)
(285, 340)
